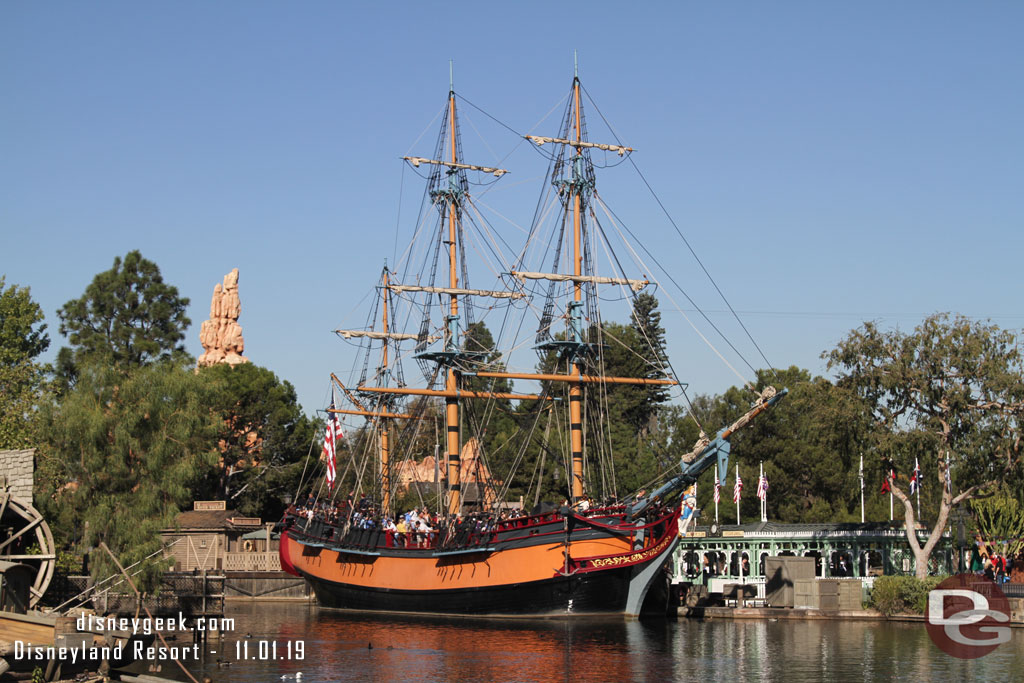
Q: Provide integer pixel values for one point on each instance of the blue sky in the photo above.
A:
(829, 162)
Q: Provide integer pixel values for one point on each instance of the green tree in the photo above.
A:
(646, 320)
(809, 445)
(128, 316)
(490, 420)
(121, 455)
(22, 340)
(1000, 520)
(263, 438)
(950, 392)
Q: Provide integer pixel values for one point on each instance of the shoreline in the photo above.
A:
(812, 614)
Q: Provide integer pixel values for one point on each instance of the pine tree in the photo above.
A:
(128, 316)
(650, 345)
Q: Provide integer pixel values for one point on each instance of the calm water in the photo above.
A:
(336, 649)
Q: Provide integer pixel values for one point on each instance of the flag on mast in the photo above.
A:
(915, 479)
(862, 488)
(718, 492)
(331, 436)
(762, 487)
(736, 489)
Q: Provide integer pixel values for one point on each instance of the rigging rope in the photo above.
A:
(679, 232)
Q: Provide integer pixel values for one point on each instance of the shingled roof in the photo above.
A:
(206, 519)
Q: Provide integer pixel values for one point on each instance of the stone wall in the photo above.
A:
(17, 469)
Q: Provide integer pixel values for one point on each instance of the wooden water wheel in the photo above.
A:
(25, 538)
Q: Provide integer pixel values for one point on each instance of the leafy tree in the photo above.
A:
(128, 315)
(809, 445)
(1000, 521)
(263, 438)
(949, 392)
(121, 455)
(22, 339)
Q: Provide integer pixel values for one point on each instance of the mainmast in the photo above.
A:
(575, 326)
(451, 341)
(385, 423)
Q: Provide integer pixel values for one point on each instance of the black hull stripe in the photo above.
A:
(602, 592)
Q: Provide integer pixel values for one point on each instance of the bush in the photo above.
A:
(902, 594)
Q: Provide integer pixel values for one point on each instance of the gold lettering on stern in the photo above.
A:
(630, 559)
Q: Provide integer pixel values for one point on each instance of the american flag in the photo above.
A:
(718, 488)
(331, 436)
(737, 487)
(762, 487)
(915, 479)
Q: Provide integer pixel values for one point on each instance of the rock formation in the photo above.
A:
(221, 335)
(472, 471)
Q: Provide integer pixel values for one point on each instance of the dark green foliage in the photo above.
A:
(491, 420)
(263, 438)
(121, 455)
(809, 444)
(127, 316)
(22, 339)
(21, 335)
(902, 594)
(646, 320)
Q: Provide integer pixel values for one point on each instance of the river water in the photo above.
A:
(346, 647)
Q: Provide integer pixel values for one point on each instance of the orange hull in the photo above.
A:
(526, 574)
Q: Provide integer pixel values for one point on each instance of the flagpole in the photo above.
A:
(917, 477)
(861, 488)
(764, 496)
(718, 489)
(737, 497)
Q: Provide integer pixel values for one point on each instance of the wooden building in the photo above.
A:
(212, 538)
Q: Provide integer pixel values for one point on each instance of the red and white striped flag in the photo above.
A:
(329, 453)
(718, 488)
(737, 487)
(762, 487)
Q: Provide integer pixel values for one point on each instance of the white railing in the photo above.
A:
(252, 562)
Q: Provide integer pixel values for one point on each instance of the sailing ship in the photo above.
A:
(484, 556)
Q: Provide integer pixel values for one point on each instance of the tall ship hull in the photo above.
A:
(519, 569)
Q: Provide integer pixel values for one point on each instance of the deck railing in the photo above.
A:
(252, 562)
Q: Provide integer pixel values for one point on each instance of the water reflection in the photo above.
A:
(346, 647)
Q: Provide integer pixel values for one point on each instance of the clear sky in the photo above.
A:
(829, 162)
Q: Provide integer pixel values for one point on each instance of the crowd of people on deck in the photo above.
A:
(417, 528)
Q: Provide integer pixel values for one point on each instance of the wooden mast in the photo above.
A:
(451, 383)
(576, 389)
(385, 423)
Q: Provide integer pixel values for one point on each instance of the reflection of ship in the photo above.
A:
(581, 557)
